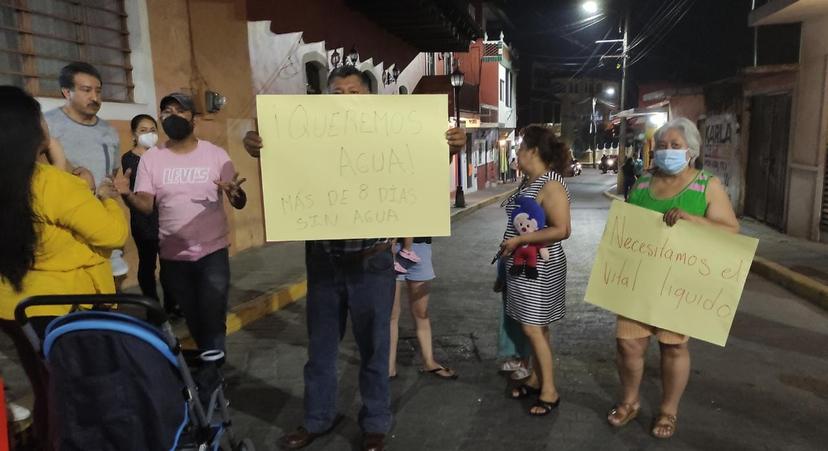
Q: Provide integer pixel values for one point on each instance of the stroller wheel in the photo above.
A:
(244, 445)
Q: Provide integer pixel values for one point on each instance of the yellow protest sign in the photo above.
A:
(354, 166)
(687, 278)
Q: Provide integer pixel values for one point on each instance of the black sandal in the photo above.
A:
(436, 372)
(523, 391)
(546, 406)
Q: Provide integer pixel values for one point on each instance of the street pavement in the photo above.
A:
(766, 390)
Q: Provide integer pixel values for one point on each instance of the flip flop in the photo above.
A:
(547, 407)
(436, 372)
(523, 391)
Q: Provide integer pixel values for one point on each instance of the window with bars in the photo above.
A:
(39, 37)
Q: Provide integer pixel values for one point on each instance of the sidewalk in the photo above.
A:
(267, 278)
(799, 265)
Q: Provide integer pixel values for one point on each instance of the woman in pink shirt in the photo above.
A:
(186, 179)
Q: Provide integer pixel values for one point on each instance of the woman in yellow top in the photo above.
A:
(55, 234)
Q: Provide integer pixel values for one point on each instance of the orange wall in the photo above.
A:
(490, 84)
(219, 31)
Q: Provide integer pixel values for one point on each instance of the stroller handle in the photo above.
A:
(155, 313)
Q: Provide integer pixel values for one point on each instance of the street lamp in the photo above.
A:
(591, 7)
(610, 91)
(457, 79)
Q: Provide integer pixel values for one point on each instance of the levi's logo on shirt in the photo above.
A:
(186, 176)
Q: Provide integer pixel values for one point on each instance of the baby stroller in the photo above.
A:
(119, 379)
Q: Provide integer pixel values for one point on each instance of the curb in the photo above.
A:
(267, 303)
(797, 283)
(461, 213)
(611, 195)
(254, 309)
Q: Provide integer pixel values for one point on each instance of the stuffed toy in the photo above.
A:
(528, 217)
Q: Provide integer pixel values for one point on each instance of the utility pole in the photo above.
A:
(622, 141)
(594, 133)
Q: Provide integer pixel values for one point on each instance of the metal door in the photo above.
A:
(768, 159)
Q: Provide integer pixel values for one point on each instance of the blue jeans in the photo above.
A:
(365, 288)
(201, 288)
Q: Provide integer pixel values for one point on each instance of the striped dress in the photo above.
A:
(543, 300)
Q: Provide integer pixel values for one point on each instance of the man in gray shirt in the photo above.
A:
(87, 140)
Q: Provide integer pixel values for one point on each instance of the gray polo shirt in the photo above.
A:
(95, 147)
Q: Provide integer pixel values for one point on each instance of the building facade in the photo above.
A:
(238, 48)
(803, 192)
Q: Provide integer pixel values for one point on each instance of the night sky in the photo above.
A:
(711, 41)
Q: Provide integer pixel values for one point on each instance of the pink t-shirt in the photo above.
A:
(191, 218)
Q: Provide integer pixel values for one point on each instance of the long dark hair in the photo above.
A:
(21, 139)
(552, 151)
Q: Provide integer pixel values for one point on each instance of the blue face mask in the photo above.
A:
(671, 161)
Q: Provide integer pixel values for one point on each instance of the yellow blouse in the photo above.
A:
(76, 233)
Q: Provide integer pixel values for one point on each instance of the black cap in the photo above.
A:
(182, 99)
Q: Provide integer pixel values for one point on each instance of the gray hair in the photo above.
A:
(688, 131)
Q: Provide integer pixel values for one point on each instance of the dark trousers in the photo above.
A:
(36, 372)
(365, 288)
(201, 289)
(628, 184)
(147, 256)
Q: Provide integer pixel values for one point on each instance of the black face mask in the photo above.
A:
(176, 127)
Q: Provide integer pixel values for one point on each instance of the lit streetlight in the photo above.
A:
(610, 91)
(591, 7)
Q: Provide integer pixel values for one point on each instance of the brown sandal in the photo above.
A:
(667, 422)
(623, 418)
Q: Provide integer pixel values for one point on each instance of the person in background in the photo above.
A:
(512, 344)
(88, 142)
(187, 179)
(681, 193)
(513, 169)
(628, 171)
(145, 227)
(55, 235)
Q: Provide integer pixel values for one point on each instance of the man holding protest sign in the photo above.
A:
(679, 192)
(356, 276)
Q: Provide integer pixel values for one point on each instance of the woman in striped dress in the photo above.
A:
(537, 302)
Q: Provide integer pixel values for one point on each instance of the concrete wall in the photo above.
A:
(183, 65)
(806, 161)
(689, 106)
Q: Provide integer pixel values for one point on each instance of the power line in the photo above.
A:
(654, 43)
(661, 28)
(594, 52)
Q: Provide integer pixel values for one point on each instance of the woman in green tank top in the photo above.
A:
(683, 193)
